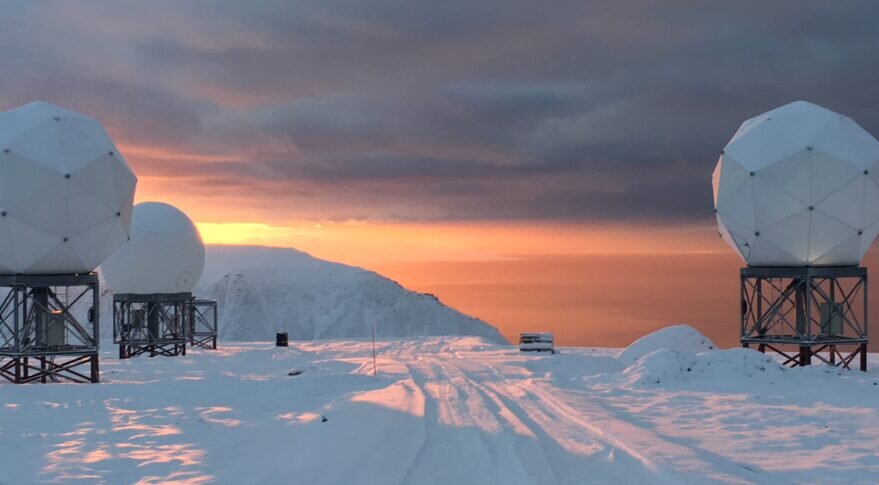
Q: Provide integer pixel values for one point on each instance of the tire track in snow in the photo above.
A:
(431, 413)
(536, 453)
(553, 415)
(432, 460)
(692, 465)
(514, 441)
(548, 428)
(724, 468)
(514, 420)
(477, 409)
(450, 396)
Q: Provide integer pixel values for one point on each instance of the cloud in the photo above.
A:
(417, 110)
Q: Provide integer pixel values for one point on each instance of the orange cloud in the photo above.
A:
(366, 243)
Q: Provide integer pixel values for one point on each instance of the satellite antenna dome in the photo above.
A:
(798, 186)
(65, 192)
(165, 253)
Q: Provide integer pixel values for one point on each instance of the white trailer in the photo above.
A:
(536, 342)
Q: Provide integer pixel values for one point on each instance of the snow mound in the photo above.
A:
(666, 367)
(679, 338)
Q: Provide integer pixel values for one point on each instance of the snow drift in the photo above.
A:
(262, 290)
(680, 338)
(681, 354)
(667, 367)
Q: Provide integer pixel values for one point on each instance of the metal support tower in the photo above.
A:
(803, 313)
(203, 324)
(49, 328)
(153, 324)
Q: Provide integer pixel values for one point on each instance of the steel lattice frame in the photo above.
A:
(153, 324)
(41, 339)
(203, 329)
(816, 310)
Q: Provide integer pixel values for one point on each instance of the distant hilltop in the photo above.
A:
(262, 290)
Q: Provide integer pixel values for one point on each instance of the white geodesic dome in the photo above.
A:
(164, 255)
(799, 186)
(65, 192)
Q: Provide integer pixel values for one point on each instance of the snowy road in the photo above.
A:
(518, 429)
(443, 410)
(489, 415)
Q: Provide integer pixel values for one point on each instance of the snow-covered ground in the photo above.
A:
(451, 410)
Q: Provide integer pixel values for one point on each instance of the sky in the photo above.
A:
(422, 131)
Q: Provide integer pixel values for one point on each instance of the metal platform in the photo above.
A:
(803, 313)
(152, 324)
(48, 328)
(203, 324)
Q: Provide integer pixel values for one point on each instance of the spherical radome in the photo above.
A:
(799, 186)
(66, 193)
(165, 253)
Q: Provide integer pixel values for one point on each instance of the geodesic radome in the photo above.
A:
(164, 255)
(66, 193)
(799, 186)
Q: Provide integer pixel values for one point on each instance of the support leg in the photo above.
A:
(805, 355)
(95, 371)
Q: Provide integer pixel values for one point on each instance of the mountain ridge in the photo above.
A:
(262, 290)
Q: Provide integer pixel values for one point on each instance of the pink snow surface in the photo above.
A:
(453, 410)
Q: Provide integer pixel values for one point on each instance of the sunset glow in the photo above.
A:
(361, 134)
(426, 242)
(369, 243)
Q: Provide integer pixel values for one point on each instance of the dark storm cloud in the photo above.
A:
(445, 110)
